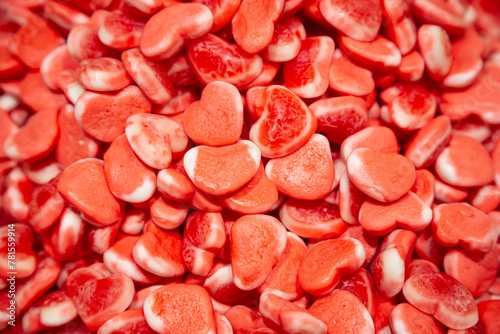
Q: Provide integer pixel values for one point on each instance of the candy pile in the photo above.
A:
(250, 167)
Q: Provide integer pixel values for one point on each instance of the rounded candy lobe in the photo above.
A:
(340, 117)
(378, 138)
(102, 74)
(477, 271)
(307, 74)
(180, 308)
(83, 185)
(379, 55)
(342, 312)
(253, 24)
(435, 47)
(283, 280)
(408, 319)
(488, 314)
(359, 19)
(204, 236)
(119, 30)
(155, 139)
(97, 298)
(104, 115)
(312, 219)
(465, 163)
(282, 314)
(325, 263)
(130, 321)
(286, 123)
(167, 213)
(411, 68)
(349, 78)
(443, 297)
(119, 259)
(360, 283)
(222, 11)
(217, 118)
(55, 62)
(429, 142)
(214, 59)
(221, 170)
(252, 259)
(307, 173)
(129, 179)
(33, 41)
(385, 177)
(389, 266)
(167, 31)
(259, 195)
(409, 212)
(285, 45)
(413, 108)
(460, 224)
(35, 140)
(159, 251)
(149, 75)
(73, 143)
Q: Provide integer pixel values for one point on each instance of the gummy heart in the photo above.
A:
(384, 177)
(103, 115)
(444, 297)
(98, 299)
(171, 28)
(217, 118)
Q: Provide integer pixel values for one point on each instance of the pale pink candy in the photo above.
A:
(444, 297)
(390, 264)
(119, 260)
(171, 28)
(435, 47)
(57, 309)
(283, 314)
(307, 74)
(155, 138)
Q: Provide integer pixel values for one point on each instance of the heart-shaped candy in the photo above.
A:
(444, 297)
(103, 115)
(384, 177)
(171, 28)
(217, 118)
(98, 298)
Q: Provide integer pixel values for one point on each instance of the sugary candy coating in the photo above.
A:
(198, 317)
(285, 124)
(359, 20)
(443, 297)
(253, 259)
(171, 28)
(385, 177)
(309, 169)
(342, 312)
(312, 219)
(120, 159)
(103, 115)
(221, 170)
(217, 118)
(72, 186)
(114, 294)
(461, 224)
(325, 263)
(408, 319)
(389, 266)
